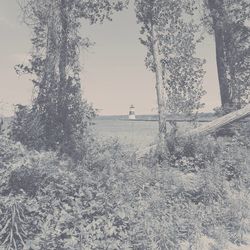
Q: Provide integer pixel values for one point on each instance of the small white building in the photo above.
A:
(131, 115)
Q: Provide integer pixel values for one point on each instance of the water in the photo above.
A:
(136, 133)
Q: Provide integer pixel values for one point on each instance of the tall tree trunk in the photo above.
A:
(63, 62)
(160, 89)
(230, 54)
(64, 42)
(44, 102)
(217, 13)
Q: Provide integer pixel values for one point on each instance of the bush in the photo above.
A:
(37, 132)
(26, 128)
(194, 197)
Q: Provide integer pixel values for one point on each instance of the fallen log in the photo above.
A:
(206, 128)
(219, 122)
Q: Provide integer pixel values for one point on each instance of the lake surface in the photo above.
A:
(137, 133)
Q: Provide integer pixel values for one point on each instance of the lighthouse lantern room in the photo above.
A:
(131, 113)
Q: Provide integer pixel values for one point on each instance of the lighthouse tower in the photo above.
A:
(131, 115)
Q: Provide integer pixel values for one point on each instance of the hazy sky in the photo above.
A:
(113, 76)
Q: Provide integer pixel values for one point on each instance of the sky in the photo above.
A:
(113, 75)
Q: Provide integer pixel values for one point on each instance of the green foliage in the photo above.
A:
(191, 192)
(229, 22)
(197, 194)
(58, 105)
(177, 34)
(26, 127)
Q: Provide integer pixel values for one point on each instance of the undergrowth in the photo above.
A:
(194, 196)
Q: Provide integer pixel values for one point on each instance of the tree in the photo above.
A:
(170, 35)
(232, 41)
(63, 115)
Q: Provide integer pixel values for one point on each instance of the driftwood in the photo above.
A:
(220, 122)
(207, 128)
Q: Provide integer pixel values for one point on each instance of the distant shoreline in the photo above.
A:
(202, 117)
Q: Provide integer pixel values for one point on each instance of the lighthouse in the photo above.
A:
(131, 115)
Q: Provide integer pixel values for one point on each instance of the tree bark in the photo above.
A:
(64, 42)
(206, 128)
(217, 13)
(220, 122)
(44, 102)
(160, 89)
(63, 62)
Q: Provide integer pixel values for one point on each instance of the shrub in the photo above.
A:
(26, 128)
(196, 197)
(71, 137)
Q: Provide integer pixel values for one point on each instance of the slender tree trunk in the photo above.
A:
(160, 89)
(217, 13)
